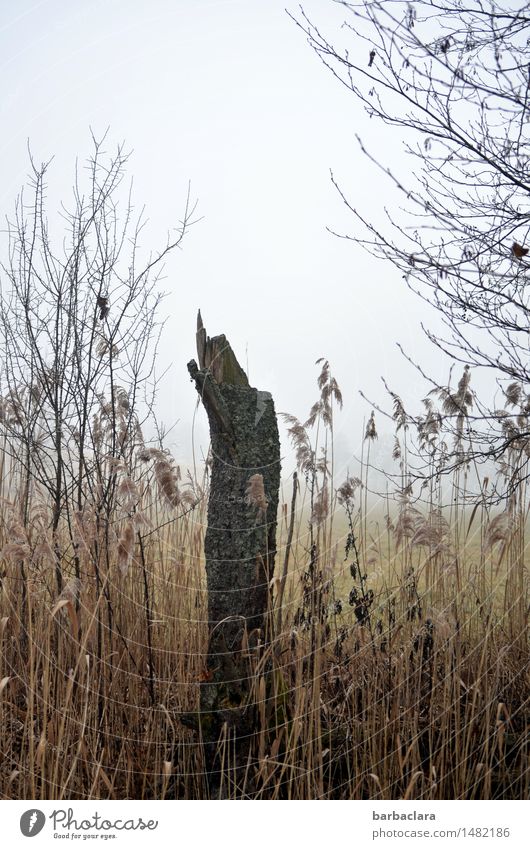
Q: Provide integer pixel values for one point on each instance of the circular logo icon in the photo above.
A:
(32, 822)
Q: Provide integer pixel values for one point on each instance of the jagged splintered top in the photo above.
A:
(217, 357)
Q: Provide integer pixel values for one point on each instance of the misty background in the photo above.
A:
(227, 95)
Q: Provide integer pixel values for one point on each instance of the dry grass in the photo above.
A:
(400, 670)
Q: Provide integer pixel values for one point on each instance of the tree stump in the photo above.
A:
(240, 542)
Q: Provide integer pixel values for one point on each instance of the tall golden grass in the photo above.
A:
(396, 665)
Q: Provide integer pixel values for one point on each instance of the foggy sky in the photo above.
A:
(228, 95)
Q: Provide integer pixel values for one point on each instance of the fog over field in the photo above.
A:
(228, 96)
(205, 595)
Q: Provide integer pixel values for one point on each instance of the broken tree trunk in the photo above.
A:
(240, 540)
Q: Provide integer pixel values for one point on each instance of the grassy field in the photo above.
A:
(396, 665)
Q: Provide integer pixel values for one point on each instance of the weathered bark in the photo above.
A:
(240, 539)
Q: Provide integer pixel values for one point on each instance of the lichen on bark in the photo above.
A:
(240, 541)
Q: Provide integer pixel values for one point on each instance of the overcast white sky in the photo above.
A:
(228, 95)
